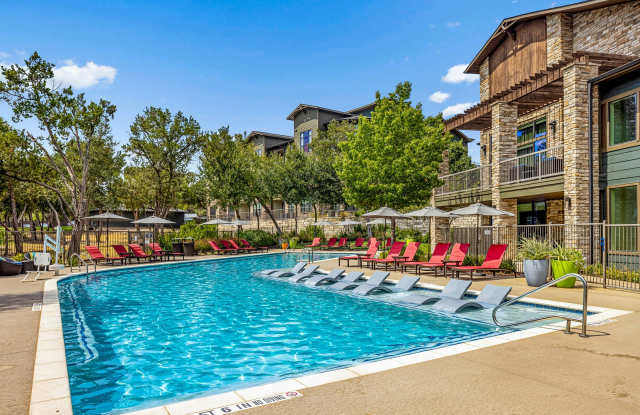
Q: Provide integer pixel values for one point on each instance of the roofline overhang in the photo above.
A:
(302, 107)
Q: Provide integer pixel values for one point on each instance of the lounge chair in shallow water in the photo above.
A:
(306, 273)
(490, 297)
(317, 280)
(455, 290)
(376, 279)
(282, 272)
(331, 276)
(406, 283)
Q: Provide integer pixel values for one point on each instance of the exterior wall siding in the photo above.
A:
(559, 38)
(621, 166)
(613, 29)
(305, 120)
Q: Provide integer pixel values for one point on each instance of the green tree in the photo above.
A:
(64, 119)
(135, 193)
(165, 144)
(393, 158)
(459, 159)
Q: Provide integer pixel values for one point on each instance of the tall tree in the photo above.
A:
(135, 193)
(64, 119)
(393, 158)
(165, 144)
(458, 156)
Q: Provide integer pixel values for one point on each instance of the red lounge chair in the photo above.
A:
(341, 243)
(436, 260)
(408, 256)
(157, 250)
(139, 253)
(239, 248)
(314, 244)
(371, 253)
(387, 244)
(246, 244)
(97, 256)
(330, 244)
(358, 244)
(123, 253)
(217, 249)
(396, 250)
(491, 263)
(228, 247)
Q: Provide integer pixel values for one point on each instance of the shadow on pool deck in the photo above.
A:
(549, 374)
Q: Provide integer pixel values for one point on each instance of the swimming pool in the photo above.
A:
(138, 338)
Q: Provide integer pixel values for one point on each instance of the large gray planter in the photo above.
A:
(535, 271)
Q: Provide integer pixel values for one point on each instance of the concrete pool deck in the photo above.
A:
(554, 372)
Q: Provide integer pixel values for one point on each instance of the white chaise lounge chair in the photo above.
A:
(455, 289)
(490, 297)
(406, 283)
(376, 279)
(319, 280)
(282, 272)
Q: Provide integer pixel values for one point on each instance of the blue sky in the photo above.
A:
(248, 64)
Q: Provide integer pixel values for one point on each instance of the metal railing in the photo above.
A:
(583, 322)
(478, 178)
(83, 262)
(538, 165)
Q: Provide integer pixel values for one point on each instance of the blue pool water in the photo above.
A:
(138, 338)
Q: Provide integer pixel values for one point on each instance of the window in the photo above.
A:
(623, 120)
(623, 209)
(532, 213)
(259, 151)
(306, 207)
(305, 140)
(532, 137)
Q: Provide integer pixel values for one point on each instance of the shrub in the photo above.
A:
(534, 249)
(424, 252)
(201, 246)
(508, 265)
(18, 257)
(473, 260)
(294, 242)
(258, 237)
(310, 232)
(561, 253)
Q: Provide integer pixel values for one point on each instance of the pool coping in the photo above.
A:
(51, 392)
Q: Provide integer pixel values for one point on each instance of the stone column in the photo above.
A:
(504, 120)
(576, 145)
(559, 38)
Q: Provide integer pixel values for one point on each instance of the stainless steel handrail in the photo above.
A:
(83, 262)
(568, 319)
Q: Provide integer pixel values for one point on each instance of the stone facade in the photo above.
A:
(303, 121)
(555, 211)
(554, 114)
(485, 89)
(613, 29)
(576, 143)
(559, 38)
(504, 120)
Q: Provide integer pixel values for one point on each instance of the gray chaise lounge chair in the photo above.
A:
(282, 272)
(376, 279)
(455, 289)
(306, 273)
(490, 297)
(332, 276)
(350, 278)
(405, 284)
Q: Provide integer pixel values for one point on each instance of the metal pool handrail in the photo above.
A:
(83, 262)
(583, 322)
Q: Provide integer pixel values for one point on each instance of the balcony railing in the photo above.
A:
(474, 179)
(538, 165)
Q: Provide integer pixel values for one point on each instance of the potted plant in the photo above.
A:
(535, 260)
(566, 261)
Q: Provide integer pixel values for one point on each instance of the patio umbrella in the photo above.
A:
(107, 216)
(477, 210)
(428, 213)
(348, 222)
(387, 213)
(152, 221)
(322, 223)
(216, 222)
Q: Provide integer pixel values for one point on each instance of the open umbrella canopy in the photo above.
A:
(239, 222)
(321, 223)
(480, 210)
(216, 222)
(385, 212)
(378, 221)
(429, 212)
(106, 216)
(348, 222)
(153, 220)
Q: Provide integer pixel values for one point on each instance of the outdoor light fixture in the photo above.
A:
(553, 125)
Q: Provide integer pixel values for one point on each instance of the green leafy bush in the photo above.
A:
(508, 265)
(310, 232)
(473, 260)
(534, 249)
(201, 246)
(258, 237)
(561, 253)
(294, 242)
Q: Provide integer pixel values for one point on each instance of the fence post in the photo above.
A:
(605, 250)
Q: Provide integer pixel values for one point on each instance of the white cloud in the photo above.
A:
(439, 97)
(84, 76)
(457, 109)
(456, 75)
(453, 24)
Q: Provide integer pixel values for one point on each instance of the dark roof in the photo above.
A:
(616, 72)
(270, 135)
(462, 135)
(499, 34)
(363, 108)
(302, 107)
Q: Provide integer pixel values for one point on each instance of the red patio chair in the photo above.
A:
(330, 244)
(138, 253)
(217, 249)
(228, 247)
(97, 256)
(396, 250)
(246, 244)
(436, 260)
(314, 244)
(371, 253)
(408, 256)
(491, 263)
(239, 248)
(157, 249)
(341, 243)
(358, 244)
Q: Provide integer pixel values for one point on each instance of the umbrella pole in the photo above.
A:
(477, 233)
(393, 230)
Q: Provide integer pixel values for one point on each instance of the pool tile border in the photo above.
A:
(51, 393)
